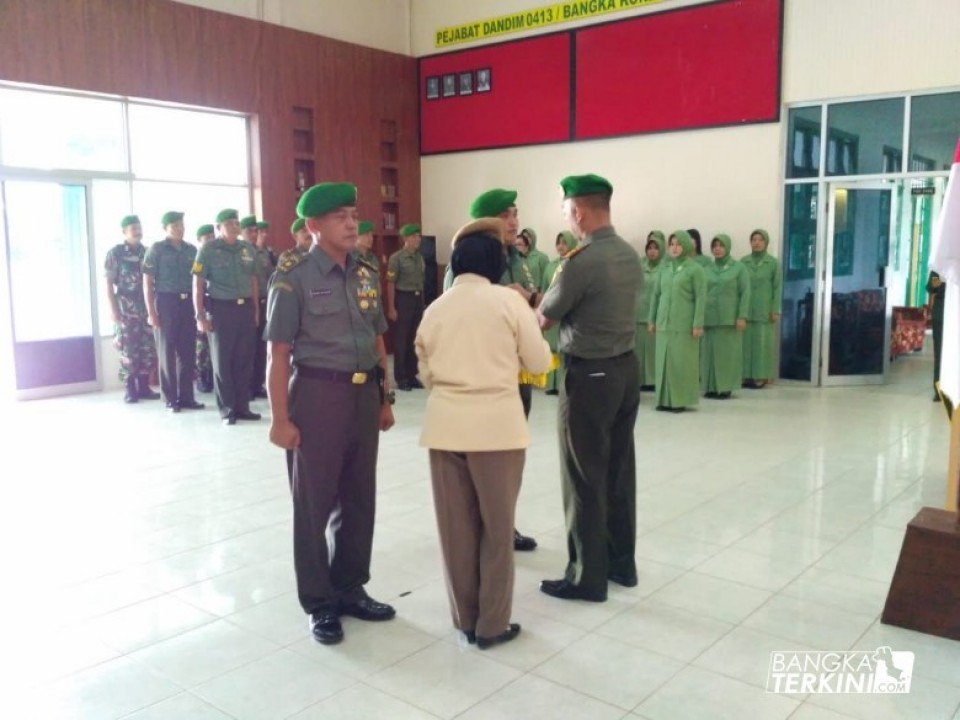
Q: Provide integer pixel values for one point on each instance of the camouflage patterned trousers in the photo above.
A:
(133, 338)
(204, 372)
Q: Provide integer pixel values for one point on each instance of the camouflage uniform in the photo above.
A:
(204, 372)
(133, 337)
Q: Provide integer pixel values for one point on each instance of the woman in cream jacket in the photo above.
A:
(472, 343)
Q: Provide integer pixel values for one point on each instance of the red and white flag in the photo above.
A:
(945, 259)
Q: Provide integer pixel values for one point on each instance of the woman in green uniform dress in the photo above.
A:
(725, 318)
(676, 316)
(698, 256)
(566, 241)
(760, 337)
(646, 344)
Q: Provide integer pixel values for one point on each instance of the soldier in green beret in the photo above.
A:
(760, 337)
(406, 270)
(266, 263)
(593, 298)
(225, 284)
(167, 281)
(204, 373)
(325, 320)
(365, 244)
(248, 229)
(132, 337)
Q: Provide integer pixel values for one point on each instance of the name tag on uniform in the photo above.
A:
(601, 374)
(321, 293)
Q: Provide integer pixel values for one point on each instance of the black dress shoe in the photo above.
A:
(711, 395)
(192, 405)
(406, 387)
(625, 579)
(247, 415)
(647, 388)
(325, 627)
(470, 635)
(523, 543)
(566, 590)
(230, 420)
(368, 609)
(552, 392)
(506, 636)
(416, 384)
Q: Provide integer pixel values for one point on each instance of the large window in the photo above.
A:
(863, 136)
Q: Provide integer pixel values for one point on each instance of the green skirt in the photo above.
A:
(759, 342)
(721, 359)
(678, 369)
(645, 345)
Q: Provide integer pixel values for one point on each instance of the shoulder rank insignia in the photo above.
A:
(289, 259)
(364, 263)
(578, 249)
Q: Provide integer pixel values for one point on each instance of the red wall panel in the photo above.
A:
(709, 65)
(529, 102)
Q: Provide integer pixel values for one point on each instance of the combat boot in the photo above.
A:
(130, 395)
(143, 389)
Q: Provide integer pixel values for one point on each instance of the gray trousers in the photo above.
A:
(231, 351)
(334, 489)
(599, 400)
(475, 496)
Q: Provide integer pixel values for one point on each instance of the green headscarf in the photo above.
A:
(726, 242)
(655, 236)
(569, 239)
(686, 242)
(766, 242)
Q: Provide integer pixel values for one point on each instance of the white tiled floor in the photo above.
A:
(147, 569)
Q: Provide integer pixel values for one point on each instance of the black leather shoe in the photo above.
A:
(711, 395)
(566, 590)
(647, 388)
(627, 580)
(247, 415)
(523, 543)
(506, 636)
(192, 405)
(406, 387)
(552, 392)
(416, 384)
(368, 609)
(325, 627)
(470, 636)
(230, 420)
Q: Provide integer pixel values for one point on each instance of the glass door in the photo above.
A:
(49, 285)
(855, 326)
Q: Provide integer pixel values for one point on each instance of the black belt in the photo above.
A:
(569, 360)
(337, 376)
(234, 301)
(411, 292)
(177, 295)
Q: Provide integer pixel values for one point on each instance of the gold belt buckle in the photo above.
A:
(241, 301)
(359, 378)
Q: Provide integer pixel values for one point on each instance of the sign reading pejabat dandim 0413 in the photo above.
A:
(553, 14)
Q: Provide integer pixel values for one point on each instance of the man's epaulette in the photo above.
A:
(367, 264)
(575, 251)
(289, 259)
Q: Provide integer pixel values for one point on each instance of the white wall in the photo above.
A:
(725, 180)
(382, 24)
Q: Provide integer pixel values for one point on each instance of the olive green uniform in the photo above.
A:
(676, 308)
(228, 270)
(170, 265)
(131, 336)
(406, 270)
(760, 337)
(646, 343)
(593, 297)
(728, 300)
(331, 315)
(265, 264)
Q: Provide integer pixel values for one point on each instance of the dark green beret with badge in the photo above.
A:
(492, 203)
(409, 229)
(205, 230)
(578, 185)
(227, 214)
(129, 220)
(263, 225)
(326, 197)
(367, 227)
(297, 226)
(250, 221)
(171, 217)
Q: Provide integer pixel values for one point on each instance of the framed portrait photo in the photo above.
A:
(433, 87)
(449, 85)
(484, 80)
(466, 83)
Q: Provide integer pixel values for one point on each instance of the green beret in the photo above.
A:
(326, 197)
(366, 227)
(409, 229)
(250, 221)
(171, 217)
(492, 203)
(577, 185)
(205, 230)
(129, 220)
(263, 225)
(297, 226)
(227, 214)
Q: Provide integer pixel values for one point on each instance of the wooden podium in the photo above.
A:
(925, 592)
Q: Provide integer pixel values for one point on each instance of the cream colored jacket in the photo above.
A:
(471, 344)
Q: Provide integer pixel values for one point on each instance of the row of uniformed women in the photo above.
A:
(706, 324)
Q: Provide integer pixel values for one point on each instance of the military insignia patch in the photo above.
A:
(289, 260)
(197, 267)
